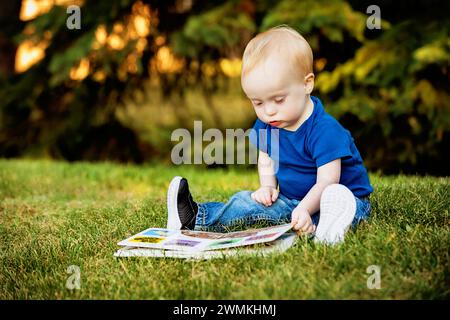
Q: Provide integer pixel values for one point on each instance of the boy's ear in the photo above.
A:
(309, 83)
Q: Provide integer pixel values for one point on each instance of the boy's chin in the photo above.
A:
(288, 126)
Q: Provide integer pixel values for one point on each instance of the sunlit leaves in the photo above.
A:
(329, 18)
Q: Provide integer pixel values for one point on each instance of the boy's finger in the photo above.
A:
(294, 219)
(274, 195)
(306, 227)
(297, 226)
(261, 199)
(300, 225)
(267, 199)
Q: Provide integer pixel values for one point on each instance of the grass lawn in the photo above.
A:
(54, 214)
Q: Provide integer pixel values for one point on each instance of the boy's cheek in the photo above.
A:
(260, 116)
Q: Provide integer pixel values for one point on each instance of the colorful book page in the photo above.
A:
(191, 240)
(279, 245)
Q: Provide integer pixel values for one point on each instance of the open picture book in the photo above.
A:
(189, 244)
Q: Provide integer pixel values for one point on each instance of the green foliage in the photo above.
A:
(330, 19)
(398, 90)
(43, 111)
(62, 62)
(219, 29)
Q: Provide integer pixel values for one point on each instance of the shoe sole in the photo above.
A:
(173, 220)
(337, 210)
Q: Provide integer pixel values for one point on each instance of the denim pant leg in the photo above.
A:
(363, 208)
(242, 209)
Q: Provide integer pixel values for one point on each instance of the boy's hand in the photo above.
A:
(265, 195)
(301, 221)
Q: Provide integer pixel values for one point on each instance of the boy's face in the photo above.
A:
(279, 97)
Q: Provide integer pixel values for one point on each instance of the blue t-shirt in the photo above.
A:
(319, 140)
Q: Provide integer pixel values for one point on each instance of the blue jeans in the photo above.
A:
(241, 209)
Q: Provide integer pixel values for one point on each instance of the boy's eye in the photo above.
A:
(279, 100)
(257, 103)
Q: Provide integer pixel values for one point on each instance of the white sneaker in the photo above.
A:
(337, 210)
(173, 221)
(181, 208)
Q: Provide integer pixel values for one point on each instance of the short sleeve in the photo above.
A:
(329, 141)
(258, 135)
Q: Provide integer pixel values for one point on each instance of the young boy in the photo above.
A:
(323, 185)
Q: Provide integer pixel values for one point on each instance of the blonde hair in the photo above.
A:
(281, 39)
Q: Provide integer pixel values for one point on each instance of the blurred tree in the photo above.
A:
(388, 86)
(10, 25)
(220, 32)
(398, 94)
(65, 104)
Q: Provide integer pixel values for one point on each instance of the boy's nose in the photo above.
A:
(270, 109)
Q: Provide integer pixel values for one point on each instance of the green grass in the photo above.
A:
(55, 214)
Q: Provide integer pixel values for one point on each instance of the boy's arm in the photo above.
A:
(268, 192)
(265, 170)
(327, 174)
